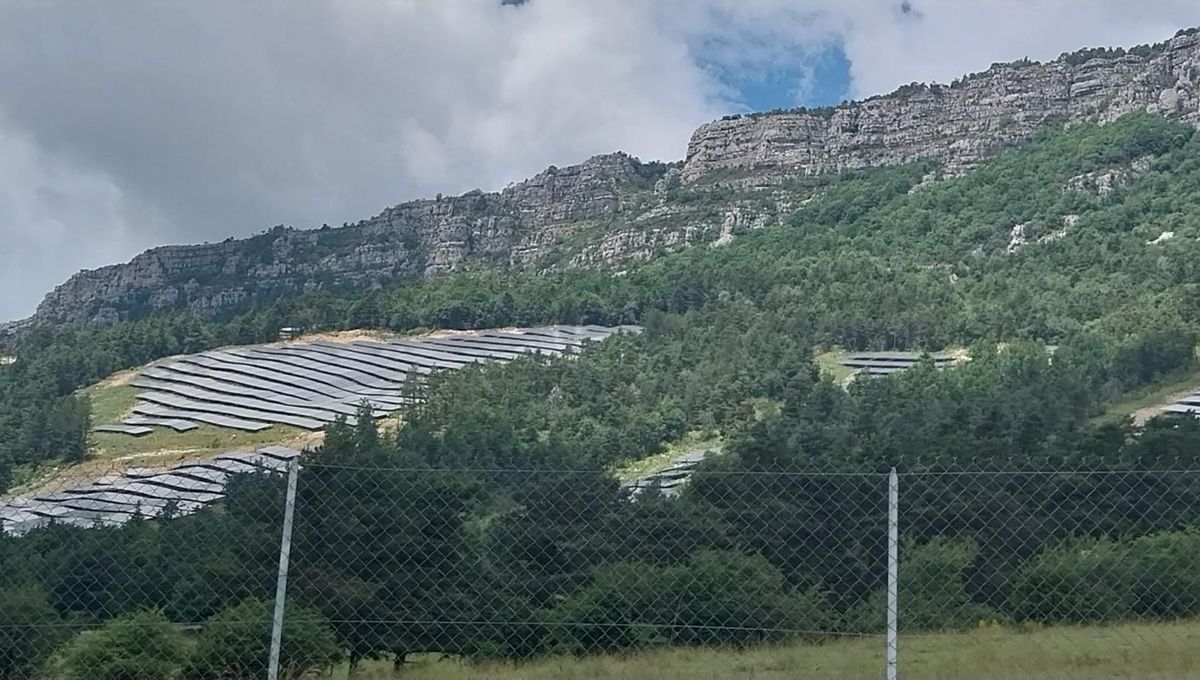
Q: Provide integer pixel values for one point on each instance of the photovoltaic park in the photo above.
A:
(302, 384)
(120, 496)
(311, 384)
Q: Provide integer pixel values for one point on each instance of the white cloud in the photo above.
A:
(125, 125)
(944, 39)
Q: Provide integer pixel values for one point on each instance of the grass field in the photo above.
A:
(1123, 652)
(829, 363)
(112, 401)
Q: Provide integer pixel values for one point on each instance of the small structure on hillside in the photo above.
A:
(289, 333)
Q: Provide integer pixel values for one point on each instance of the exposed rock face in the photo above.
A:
(10, 332)
(1103, 182)
(412, 240)
(613, 208)
(1017, 237)
(958, 124)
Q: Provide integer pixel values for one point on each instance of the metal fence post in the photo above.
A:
(893, 567)
(285, 550)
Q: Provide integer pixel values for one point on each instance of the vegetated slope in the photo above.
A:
(613, 208)
(872, 261)
(876, 260)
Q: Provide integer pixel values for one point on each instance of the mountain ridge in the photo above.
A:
(614, 208)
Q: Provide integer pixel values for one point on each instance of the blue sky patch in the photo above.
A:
(822, 79)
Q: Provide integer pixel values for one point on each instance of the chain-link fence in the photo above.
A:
(408, 572)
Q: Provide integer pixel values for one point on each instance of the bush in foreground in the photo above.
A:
(29, 631)
(933, 592)
(139, 646)
(716, 597)
(235, 643)
(1085, 581)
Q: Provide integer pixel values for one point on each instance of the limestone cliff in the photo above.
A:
(958, 124)
(613, 207)
(417, 239)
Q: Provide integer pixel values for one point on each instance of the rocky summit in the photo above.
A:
(959, 124)
(614, 208)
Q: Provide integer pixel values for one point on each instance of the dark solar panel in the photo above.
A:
(414, 353)
(528, 342)
(131, 430)
(318, 410)
(382, 367)
(287, 384)
(236, 378)
(287, 366)
(177, 425)
(116, 498)
(308, 421)
(207, 418)
(477, 350)
(363, 380)
(549, 334)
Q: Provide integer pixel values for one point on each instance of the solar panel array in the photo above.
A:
(886, 363)
(669, 481)
(119, 497)
(1189, 405)
(310, 384)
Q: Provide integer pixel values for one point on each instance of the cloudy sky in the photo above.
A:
(131, 123)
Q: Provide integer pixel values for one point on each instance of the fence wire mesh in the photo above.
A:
(141, 573)
(722, 572)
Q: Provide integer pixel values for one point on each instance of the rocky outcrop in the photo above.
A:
(1104, 182)
(10, 332)
(958, 124)
(613, 207)
(417, 239)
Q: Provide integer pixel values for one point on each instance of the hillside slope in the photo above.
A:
(613, 208)
(1063, 241)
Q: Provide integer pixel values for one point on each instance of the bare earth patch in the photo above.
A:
(1141, 415)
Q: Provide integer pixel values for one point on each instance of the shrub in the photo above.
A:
(29, 630)
(1164, 574)
(1077, 582)
(235, 643)
(139, 646)
(716, 597)
(1155, 576)
(932, 591)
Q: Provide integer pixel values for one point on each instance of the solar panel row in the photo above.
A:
(886, 363)
(310, 384)
(117, 498)
(131, 430)
(670, 480)
(206, 418)
(177, 425)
